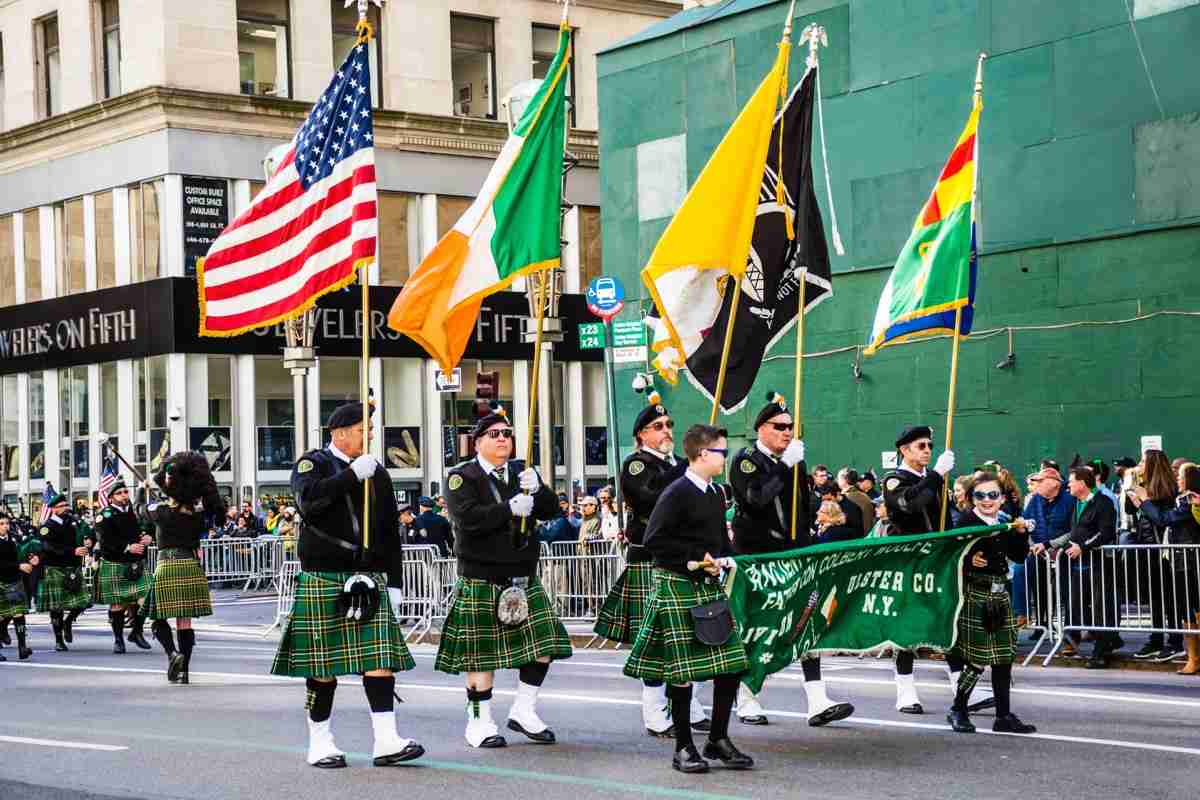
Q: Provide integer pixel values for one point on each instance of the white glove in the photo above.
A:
(794, 453)
(528, 480)
(945, 463)
(395, 598)
(364, 466)
(521, 505)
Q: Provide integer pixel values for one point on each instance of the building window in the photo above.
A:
(590, 255)
(50, 68)
(73, 395)
(345, 37)
(8, 262)
(449, 211)
(545, 47)
(402, 413)
(473, 66)
(263, 60)
(110, 46)
(109, 420)
(399, 244)
(1, 81)
(145, 245)
(72, 265)
(9, 427)
(274, 413)
(106, 243)
(37, 426)
(32, 236)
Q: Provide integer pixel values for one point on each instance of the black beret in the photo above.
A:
(117, 486)
(425, 501)
(497, 415)
(1125, 462)
(348, 415)
(775, 406)
(56, 499)
(914, 433)
(651, 412)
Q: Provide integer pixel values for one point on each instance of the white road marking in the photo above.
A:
(108, 748)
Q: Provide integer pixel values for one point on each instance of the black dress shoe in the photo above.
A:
(493, 742)
(959, 721)
(1010, 724)
(2, 658)
(724, 751)
(413, 750)
(832, 714)
(138, 639)
(703, 725)
(545, 737)
(982, 705)
(60, 647)
(118, 647)
(688, 760)
(669, 733)
(915, 708)
(754, 719)
(174, 667)
(24, 653)
(331, 762)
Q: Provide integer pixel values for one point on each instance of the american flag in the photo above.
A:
(47, 495)
(107, 478)
(310, 227)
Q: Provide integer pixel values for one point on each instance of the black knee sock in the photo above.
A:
(319, 699)
(379, 692)
(966, 685)
(56, 624)
(475, 697)
(534, 673)
(1002, 688)
(4, 628)
(19, 629)
(724, 694)
(681, 705)
(73, 615)
(187, 642)
(955, 663)
(652, 684)
(904, 662)
(162, 633)
(116, 620)
(812, 669)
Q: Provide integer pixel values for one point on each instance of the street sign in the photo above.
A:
(605, 297)
(629, 355)
(451, 383)
(591, 336)
(629, 333)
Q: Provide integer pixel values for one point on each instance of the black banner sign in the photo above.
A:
(205, 215)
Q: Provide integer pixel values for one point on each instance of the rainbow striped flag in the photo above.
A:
(935, 272)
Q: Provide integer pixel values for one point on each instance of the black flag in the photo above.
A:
(771, 285)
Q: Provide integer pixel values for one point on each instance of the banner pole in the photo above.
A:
(539, 310)
(365, 32)
(737, 291)
(798, 394)
(950, 408)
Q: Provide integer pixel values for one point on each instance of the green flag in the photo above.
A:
(903, 591)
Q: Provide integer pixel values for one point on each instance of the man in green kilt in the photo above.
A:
(685, 530)
(762, 478)
(121, 579)
(500, 617)
(344, 619)
(14, 602)
(62, 591)
(650, 469)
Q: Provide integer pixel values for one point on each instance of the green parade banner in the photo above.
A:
(847, 597)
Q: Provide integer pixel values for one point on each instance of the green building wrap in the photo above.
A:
(1089, 213)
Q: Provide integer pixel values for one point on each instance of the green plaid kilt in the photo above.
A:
(975, 645)
(473, 640)
(319, 642)
(620, 617)
(666, 647)
(113, 588)
(52, 595)
(10, 609)
(178, 589)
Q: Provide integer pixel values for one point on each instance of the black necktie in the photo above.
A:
(501, 476)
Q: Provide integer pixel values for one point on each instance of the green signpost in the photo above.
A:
(591, 336)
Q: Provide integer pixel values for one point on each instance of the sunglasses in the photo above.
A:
(723, 451)
(922, 445)
(782, 426)
(661, 424)
(992, 495)
(499, 433)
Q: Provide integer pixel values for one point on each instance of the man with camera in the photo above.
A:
(121, 580)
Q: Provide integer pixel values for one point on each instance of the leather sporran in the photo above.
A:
(73, 581)
(358, 600)
(712, 622)
(134, 570)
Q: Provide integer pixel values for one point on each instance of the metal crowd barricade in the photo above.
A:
(422, 588)
(286, 582)
(577, 584)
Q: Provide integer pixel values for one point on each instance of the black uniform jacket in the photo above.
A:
(762, 489)
(644, 476)
(913, 502)
(58, 544)
(431, 528)
(488, 540)
(10, 563)
(329, 497)
(1095, 526)
(686, 524)
(117, 530)
(998, 549)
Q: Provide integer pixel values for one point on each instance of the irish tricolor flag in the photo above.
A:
(511, 229)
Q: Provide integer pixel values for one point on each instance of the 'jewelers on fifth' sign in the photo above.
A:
(96, 327)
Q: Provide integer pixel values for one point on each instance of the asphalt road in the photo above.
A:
(89, 724)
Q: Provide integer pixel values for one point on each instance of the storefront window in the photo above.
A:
(263, 47)
(339, 384)
(402, 413)
(109, 408)
(10, 432)
(106, 245)
(345, 37)
(145, 245)
(72, 276)
(33, 255)
(150, 376)
(595, 416)
(214, 438)
(274, 412)
(399, 237)
(37, 426)
(458, 408)
(8, 262)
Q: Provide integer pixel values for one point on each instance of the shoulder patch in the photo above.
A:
(891, 484)
(748, 466)
(455, 482)
(305, 465)
(106, 513)
(45, 530)
(636, 467)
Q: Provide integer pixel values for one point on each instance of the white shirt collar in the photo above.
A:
(338, 453)
(766, 451)
(670, 459)
(907, 468)
(989, 521)
(700, 483)
(489, 467)
(56, 518)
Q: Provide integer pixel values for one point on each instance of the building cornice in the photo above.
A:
(655, 8)
(157, 108)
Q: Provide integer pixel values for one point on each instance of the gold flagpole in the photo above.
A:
(797, 392)
(364, 35)
(539, 310)
(950, 404)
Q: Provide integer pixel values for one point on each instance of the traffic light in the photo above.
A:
(487, 391)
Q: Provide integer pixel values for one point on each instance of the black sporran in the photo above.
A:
(134, 570)
(712, 622)
(73, 581)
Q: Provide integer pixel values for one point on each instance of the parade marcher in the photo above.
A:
(179, 588)
(433, 528)
(14, 602)
(62, 591)
(913, 495)
(343, 621)
(987, 629)
(686, 527)
(651, 468)
(501, 617)
(121, 580)
(761, 476)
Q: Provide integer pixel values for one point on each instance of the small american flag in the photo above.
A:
(310, 227)
(107, 478)
(47, 495)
